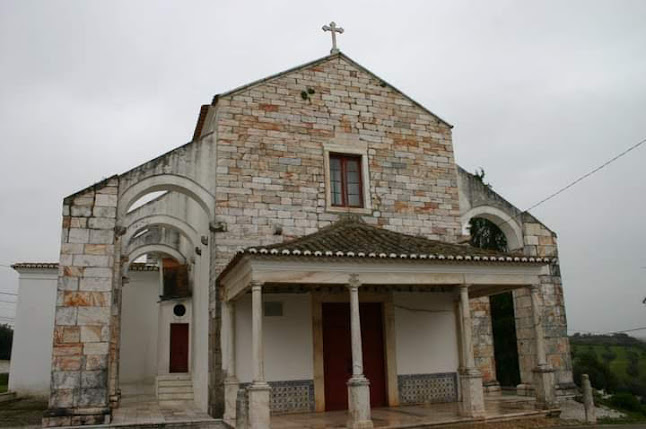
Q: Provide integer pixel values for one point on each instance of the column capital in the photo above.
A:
(464, 287)
(353, 282)
(255, 285)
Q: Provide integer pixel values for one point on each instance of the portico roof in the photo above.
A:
(352, 237)
(379, 255)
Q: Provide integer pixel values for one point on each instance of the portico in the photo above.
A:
(403, 274)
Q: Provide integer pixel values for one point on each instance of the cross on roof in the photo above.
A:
(333, 29)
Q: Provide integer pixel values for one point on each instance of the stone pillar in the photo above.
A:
(259, 390)
(231, 383)
(358, 385)
(472, 404)
(544, 380)
(84, 320)
(588, 400)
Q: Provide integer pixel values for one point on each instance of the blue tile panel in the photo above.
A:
(428, 388)
(294, 396)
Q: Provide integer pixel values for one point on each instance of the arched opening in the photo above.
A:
(155, 336)
(486, 234)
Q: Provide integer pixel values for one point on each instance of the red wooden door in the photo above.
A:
(337, 353)
(178, 347)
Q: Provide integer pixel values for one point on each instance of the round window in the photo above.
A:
(179, 310)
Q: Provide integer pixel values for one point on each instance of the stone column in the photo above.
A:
(544, 381)
(472, 404)
(259, 390)
(231, 383)
(358, 385)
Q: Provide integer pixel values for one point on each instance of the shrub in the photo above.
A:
(626, 401)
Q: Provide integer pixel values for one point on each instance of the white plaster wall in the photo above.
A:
(426, 333)
(166, 317)
(200, 311)
(31, 355)
(287, 340)
(139, 332)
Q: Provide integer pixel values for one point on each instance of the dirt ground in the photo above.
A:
(24, 412)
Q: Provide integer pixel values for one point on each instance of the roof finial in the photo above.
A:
(334, 29)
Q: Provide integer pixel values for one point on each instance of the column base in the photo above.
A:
(54, 417)
(258, 404)
(545, 388)
(472, 404)
(359, 403)
(231, 387)
(492, 388)
(525, 389)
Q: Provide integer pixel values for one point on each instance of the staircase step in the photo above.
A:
(174, 383)
(174, 389)
(178, 376)
(175, 396)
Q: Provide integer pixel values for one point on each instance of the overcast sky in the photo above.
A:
(539, 94)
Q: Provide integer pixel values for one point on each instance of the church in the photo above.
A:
(305, 252)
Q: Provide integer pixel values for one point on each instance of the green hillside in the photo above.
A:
(624, 356)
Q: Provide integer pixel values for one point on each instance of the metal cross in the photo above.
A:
(334, 29)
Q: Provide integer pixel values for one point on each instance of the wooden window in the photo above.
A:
(346, 180)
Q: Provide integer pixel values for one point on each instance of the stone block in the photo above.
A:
(67, 350)
(96, 348)
(106, 212)
(105, 200)
(66, 379)
(98, 249)
(93, 315)
(101, 223)
(67, 363)
(98, 272)
(68, 283)
(94, 362)
(71, 334)
(65, 316)
(92, 260)
(63, 398)
(95, 284)
(93, 397)
(93, 379)
(93, 334)
(81, 211)
(78, 235)
(101, 236)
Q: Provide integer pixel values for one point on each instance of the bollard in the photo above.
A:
(588, 400)
(242, 410)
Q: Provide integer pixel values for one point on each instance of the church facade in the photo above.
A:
(309, 253)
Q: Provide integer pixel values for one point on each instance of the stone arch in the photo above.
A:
(507, 224)
(167, 182)
(154, 248)
(166, 221)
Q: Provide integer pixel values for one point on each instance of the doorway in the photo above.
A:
(337, 353)
(505, 345)
(178, 348)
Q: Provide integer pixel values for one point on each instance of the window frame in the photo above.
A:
(347, 145)
(343, 160)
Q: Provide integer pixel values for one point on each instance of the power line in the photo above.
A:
(571, 184)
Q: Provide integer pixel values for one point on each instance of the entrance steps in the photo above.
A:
(174, 387)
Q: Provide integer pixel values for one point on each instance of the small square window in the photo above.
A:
(273, 309)
(346, 180)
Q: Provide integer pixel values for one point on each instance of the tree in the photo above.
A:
(6, 338)
(484, 233)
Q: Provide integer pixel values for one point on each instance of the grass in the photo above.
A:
(619, 364)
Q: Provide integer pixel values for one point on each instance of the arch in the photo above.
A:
(161, 220)
(153, 248)
(167, 182)
(507, 224)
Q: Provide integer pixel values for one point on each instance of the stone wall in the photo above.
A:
(270, 157)
(84, 324)
(537, 240)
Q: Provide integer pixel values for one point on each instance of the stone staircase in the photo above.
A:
(174, 387)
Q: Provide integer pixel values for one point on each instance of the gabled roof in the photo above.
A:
(351, 237)
(340, 55)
